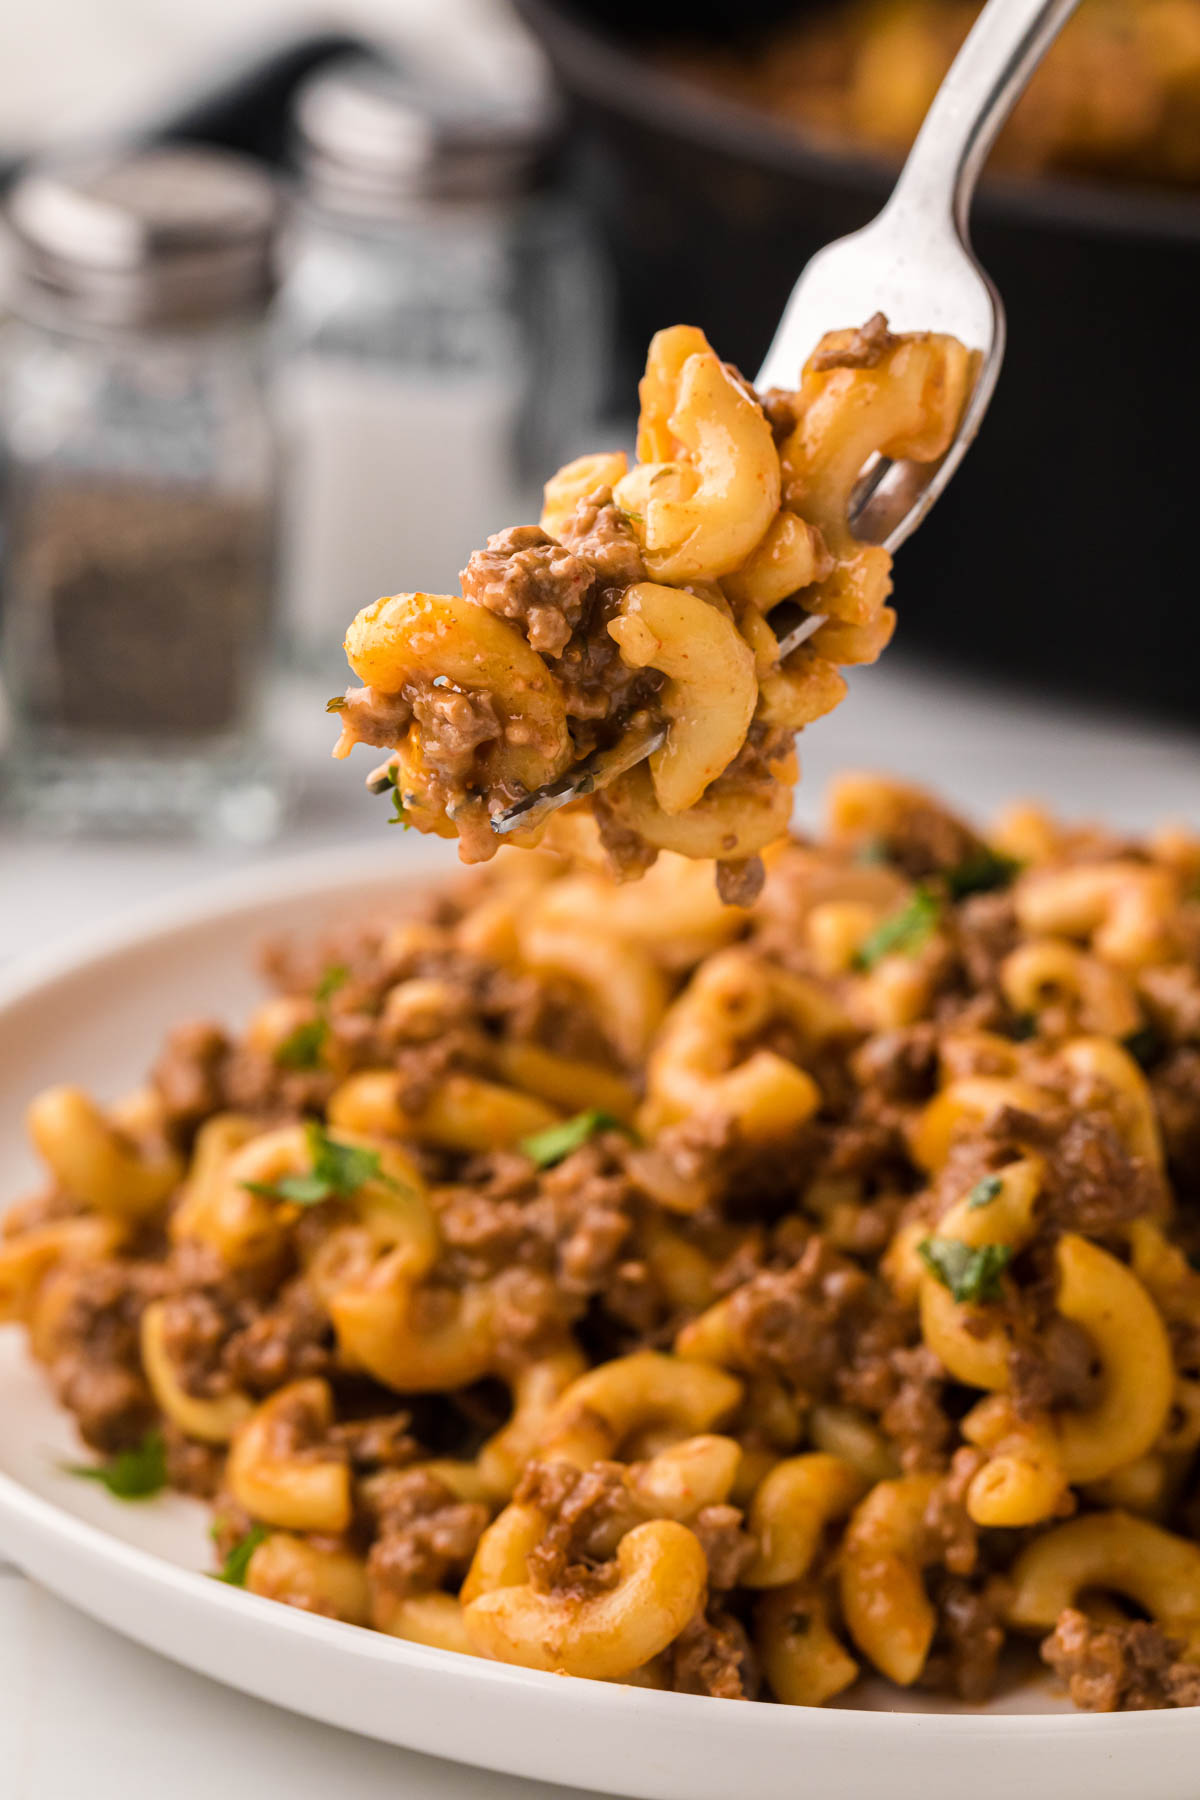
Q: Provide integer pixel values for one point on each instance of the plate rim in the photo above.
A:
(318, 875)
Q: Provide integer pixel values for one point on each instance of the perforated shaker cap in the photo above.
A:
(373, 138)
(175, 235)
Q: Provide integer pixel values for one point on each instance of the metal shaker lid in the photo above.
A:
(373, 137)
(180, 234)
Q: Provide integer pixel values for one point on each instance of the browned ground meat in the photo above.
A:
(94, 1356)
(740, 883)
(968, 1641)
(528, 577)
(1176, 1088)
(779, 410)
(588, 1512)
(1129, 1668)
(426, 1534)
(601, 535)
(629, 855)
(383, 1442)
(370, 717)
(1093, 1184)
(727, 1547)
(1051, 1365)
(188, 1075)
(863, 349)
(569, 1221)
(713, 1656)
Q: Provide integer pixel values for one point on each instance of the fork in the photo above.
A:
(914, 263)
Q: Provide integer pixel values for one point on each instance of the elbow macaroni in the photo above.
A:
(648, 1290)
(478, 698)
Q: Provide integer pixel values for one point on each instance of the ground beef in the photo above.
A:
(426, 1534)
(926, 840)
(370, 717)
(455, 723)
(968, 1639)
(284, 1343)
(526, 576)
(1051, 1365)
(832, 1331)
(1175, 1084)
(914, 1417)
(629, 855)
(780, 412)
(900, 1065)
(587, 1513)
(193, 1468)
(569, 1221)
(712, 1655)
(953, 1536)
(601, 535)
(383, 1442)
(740, 883)
(188, 1076)
(1129, 1668)
(727, 1547)
(94, 1355)
(863, 348)
(1093, 1184)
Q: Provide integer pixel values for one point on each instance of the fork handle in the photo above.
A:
(985, 81)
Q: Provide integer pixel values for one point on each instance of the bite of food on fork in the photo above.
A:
(649, 651)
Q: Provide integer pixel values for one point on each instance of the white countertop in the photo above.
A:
(86, 1716)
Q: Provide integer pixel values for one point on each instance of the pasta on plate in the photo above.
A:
(611, 1281)
(640, 603)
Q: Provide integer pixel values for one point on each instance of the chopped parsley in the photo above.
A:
(335, 976)
(984, 1192)
(399, 816)
(131, 1474)
(337, 704)
(338, 1171)
(971, 1275)
(980, 873)
(1145, 1046)
(551, 1146)
(301, 1048)
(237, 1563)
(903, 932)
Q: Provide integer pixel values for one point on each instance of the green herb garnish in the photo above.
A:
(399, 816)
(902, 932)
(335, 976)
(338, 1171)
(1024, 1027)
(337, 704)
(971, 1274)
(130, 1474)
(980, 873)
(1145, 1045)
(236, 1565)
(301, 1048)
(984, 1192)
(551, 1146)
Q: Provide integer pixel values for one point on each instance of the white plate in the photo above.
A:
(95, 1017)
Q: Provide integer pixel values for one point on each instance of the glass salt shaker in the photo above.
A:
(440, 338)
(139, 504)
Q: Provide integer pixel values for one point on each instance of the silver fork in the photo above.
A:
(915, 264)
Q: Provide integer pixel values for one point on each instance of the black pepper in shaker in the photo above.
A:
(140, 500)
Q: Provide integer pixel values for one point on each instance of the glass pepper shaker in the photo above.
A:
(440, 340)
(140, 493)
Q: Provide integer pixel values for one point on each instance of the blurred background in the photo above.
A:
(301, 301)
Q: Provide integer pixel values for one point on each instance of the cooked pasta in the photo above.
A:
(637, 612)
(811, 1296)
